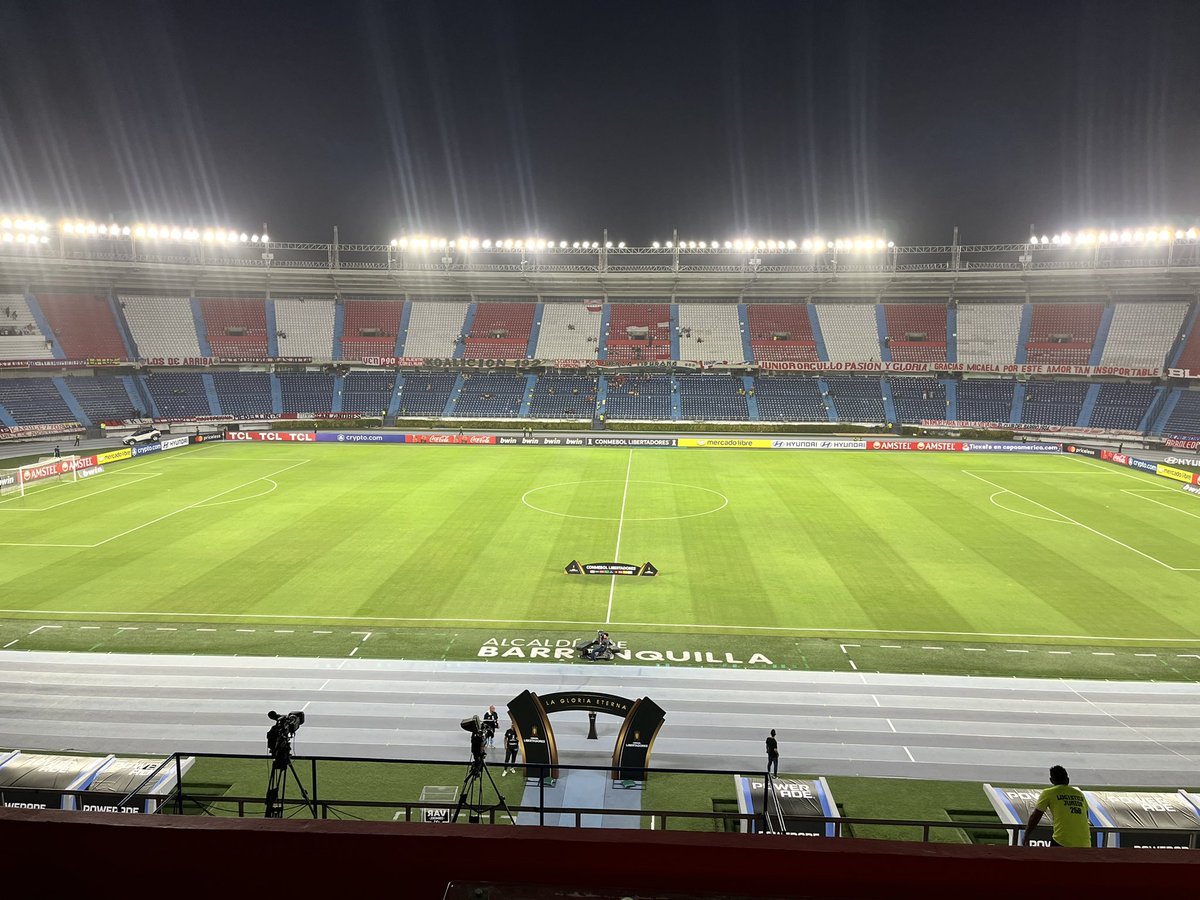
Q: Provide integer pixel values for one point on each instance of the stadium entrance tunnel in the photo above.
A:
(642, 501)
(642, 720)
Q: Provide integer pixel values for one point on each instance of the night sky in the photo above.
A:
(559, 119)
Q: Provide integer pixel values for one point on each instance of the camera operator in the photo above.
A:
(491, 719)
(511, 745)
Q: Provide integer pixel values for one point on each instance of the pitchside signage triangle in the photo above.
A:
(610, 568)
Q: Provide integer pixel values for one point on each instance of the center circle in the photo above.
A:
(704, 501)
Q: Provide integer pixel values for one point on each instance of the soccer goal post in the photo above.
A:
(45, 471)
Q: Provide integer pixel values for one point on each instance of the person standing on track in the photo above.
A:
(772, 754)
(511, 745)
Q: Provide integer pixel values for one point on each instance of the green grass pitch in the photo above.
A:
(857, 546)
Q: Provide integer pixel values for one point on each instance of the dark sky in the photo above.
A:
(502, 119)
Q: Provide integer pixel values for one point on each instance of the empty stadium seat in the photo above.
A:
(425, 395)
(985, 400)
(34, 401)
(1189, 358)
(83, 325)
(788, 398)
(1142, 334)
(499, 331)
(987, 333)
(1185, 417)
(1121, 406)
(638, 397)
(305, 328)
(23, 340)
(850, 331)
(710, 332)
(569, 330)
(434, 329)
(639, 331)
(368, 393)
(1053, 402)
(307, 392)
(712, 398)
(857, 399)
(162, 327)
(781, 331)
(236, 328)
(370, 328)
(916, 331)
(489, 395)
(918, 399)
(243, 395)
(563, 396)
(1063, 333)
(102, 397)
(181, 395)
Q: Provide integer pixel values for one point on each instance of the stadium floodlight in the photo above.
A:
(1192, 234)
(1164, 235)
(655, 245)
(670, 245)
(791, 245)
(621, 245)
(508, 243)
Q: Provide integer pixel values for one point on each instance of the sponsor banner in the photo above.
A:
(1182, 442)
(542, 441)
(342, 417)
(1011, 447)
(924, 446)
(1080, 450)
(19, 432)
(1184, 373)
(113, 456)
(7, 479)
(796, 444)
(799, 800)
(90, 471)
(630, 442)
(276, 436)
(610, 568)
(400, 362)
(1143, 465)
(45, 470)
(172, 443)
(1182, 461)
(206, 438)
(1192, 489)
(982, 368)
(449, 438)
(1176, 474)
(354, 437)
(1013, 805)
(143, 449)
(726, 443)
(1146, 821)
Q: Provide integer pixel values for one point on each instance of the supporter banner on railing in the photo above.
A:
(24, 432)
(61, 363)
(1182, 442)
(1030, 429)
(226, 360)
(980, 368)
(278, 436)
(1184, 373)
(924, 446)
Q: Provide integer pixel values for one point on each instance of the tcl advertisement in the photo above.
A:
(278, 436)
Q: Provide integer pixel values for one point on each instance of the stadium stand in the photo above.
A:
(1053, 402)
(781, 331)
(916, 331)
(305, 328)
(490, 395)
(787, 398)
(987, 333)
(370, 328)
(857, 399)
(850, 332)
(563, 396)
(368, 393)
(434, 329)
(83, 325)
(918, 399)
(180, 395)
(638, 397)
(1141, 334)
(985, 399)
(236, 327)
(426, 395)
(1190, 357)
(1063, 333)
(712, 398)
(639, 331)
(710, 331)
(1185, 417)
(162, 327)
(1121, 406)
(102, 397)
(308, 392)
(500, 331)
(243, 395)
(20, 337)
(569, 330)
(34, 401)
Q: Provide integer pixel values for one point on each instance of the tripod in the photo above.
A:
(471, 797)
(277, 787)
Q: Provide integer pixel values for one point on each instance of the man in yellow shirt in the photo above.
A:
(1068, 810)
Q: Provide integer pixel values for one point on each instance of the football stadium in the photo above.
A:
(528, 451)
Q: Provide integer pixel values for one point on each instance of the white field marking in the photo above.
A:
(910, 756)
(40, 627)
(1146, 654)
(1123, 724)
(97, 628)
(1102, 653)
(890, 725)
(975, 649)
(246, 630)
(1018, 512)
(1138, 494)
(196, 504)
(1059, 652)
(933, 648)
(1081, 525)
(737, 629)
(1188, 655)
(852, 665)
(140, 476)
(10, 643)
(891, 646)
(1009, 650)
(325, 685)
(1113, 470)
(270, 490)
(285, 631)
(353, 650)
(876, 699)
(620, 525)
(694, 487)
(206, 629)
(128, 628)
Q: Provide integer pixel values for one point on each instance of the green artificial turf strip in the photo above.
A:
(873, 548)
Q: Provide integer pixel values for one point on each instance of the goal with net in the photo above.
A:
(46, 471)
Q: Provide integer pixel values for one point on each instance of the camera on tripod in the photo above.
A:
(478, 736)
(279, 736)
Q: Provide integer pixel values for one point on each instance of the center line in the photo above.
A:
(620, 525)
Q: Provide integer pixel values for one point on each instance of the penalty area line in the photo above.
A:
(620, 525)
